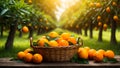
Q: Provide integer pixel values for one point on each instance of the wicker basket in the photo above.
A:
(56, 54)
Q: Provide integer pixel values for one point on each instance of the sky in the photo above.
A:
(64, 5)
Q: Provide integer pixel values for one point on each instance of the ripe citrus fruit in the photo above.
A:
(108, 9)
(37, 58)
(27, 50)
(53, 34)
(65, 36)
(115, 18)
(99, 23)
(83, 53)
(91, 53)
(98, 5)
(42, 41)
(91, 4)
(72, 40)
(87, 48)
(98, 57)
(25, 29)
(21, 55)
(114, 3)
(105, 27)
(28, 57)
(101, 51)
(98, 18)
(109, 54)
(53, 43)
(63, 43)
(59, 39)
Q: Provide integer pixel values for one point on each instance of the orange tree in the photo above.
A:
(15, 13)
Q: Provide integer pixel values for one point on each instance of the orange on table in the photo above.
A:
(65, 36)
(72, 40)
(20, 55)
(28, 57)
(101, 51)
(91, 53)
(109, 54)
(98, 57)
(37, 58)
(53, 34)
(27, 50)
(25, 29)
(42, 41)
(87, 48)
(83, 53)
(53, 43)
(63, 43)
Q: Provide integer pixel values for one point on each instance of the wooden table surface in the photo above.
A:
(6, 63)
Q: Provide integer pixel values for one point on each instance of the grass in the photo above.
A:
(23, 43)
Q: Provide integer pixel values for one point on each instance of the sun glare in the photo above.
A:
(64, 5)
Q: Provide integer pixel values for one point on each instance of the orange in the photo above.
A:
(53, 43)
(91, 53)
(98, 5)
(80, 49)
(99, 23)
(98, 57)
(114, 3)
(25, 29)
(53, 34)
(98, 18)
(101, 51)
(20, 55)
(29, 1)
(87, 48)
(108, 9)
(109, 54)
(28, 57)
(27, 50)
(37, 58)
(63, 43)
(65, 36)
(105, 27)
(42, 41)
(72, 40)
(77, 26)
(59, 39)
(83, 53)
(96, 28)
(115, 17)
(91, 4)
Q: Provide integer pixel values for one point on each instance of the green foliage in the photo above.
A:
(76, 59)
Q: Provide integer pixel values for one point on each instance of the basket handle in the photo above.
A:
(31, 40)
(80, 41)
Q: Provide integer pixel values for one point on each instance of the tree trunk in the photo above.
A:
(1, 31)
(113, 32)
(39, 31)
(100, 34)
(80, 31)
(10, 38)
(31, 31)
(91, 30)
(85, 31)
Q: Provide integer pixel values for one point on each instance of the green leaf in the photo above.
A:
(4, 11)
(19, 26)
(46, 44)
(113, 60)
(105, 60)
(35, 44)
